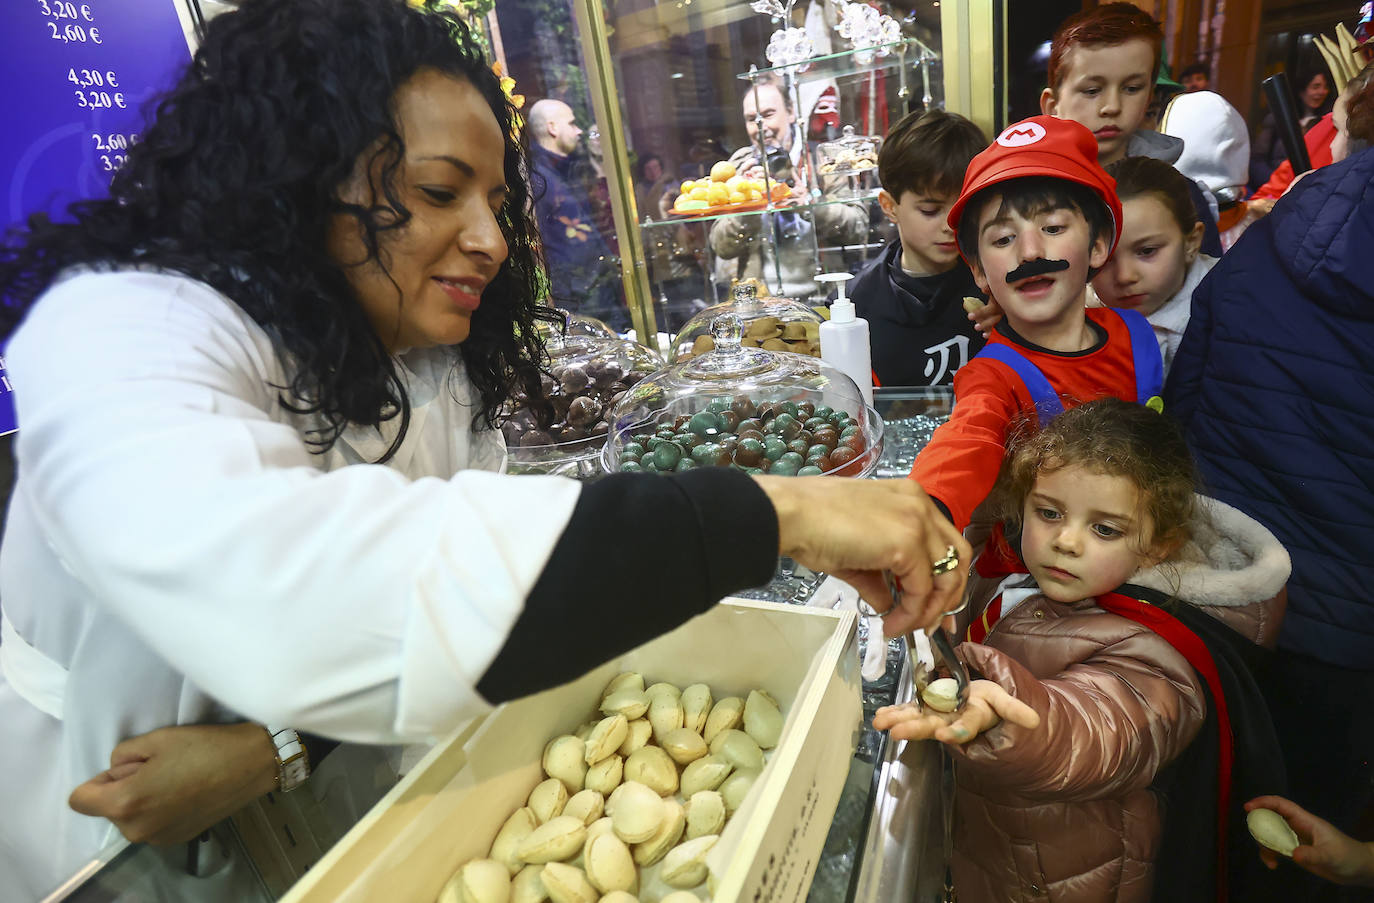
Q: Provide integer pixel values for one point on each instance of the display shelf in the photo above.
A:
(846, 63)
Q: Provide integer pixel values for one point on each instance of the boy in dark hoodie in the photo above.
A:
(912, 294)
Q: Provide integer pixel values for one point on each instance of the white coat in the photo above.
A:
(175, 553)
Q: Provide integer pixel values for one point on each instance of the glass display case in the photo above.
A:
(727, 138)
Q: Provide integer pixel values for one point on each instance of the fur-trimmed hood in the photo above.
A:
(1233, 568)
(1232, 560)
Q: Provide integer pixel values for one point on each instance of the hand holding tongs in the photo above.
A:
(939, 638)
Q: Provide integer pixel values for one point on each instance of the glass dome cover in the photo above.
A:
(753, 409)
(775, 324)
(587, 375)
(577, 325)
(850, 153)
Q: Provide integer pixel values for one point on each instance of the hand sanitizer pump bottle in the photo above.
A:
(844, 338)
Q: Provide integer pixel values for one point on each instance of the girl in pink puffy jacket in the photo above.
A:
(1087, 692)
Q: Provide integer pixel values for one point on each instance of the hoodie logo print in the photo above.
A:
(943, 350)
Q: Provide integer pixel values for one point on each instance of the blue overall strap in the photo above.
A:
(1149, 365)
(1046, 400)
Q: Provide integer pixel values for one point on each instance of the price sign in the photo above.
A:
(76, 77)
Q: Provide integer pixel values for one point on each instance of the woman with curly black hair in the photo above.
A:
(256, 390)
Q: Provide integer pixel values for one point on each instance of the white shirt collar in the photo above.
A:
(1173, 315)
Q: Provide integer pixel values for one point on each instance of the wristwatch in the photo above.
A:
(293, 763)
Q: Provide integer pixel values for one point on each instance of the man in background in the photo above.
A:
(581, 267)
(780, 248)
(1196, 78)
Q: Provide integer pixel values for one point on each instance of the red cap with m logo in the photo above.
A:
(1040, 146)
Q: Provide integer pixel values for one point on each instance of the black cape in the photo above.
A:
(1185, 869)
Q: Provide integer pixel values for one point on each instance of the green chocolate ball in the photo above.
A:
(774, 448)
(809, 470)
(667, 455)
(708, 454)
(786, 426)
(784, 468)
(704, 423)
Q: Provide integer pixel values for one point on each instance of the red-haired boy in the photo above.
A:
(1103, 64)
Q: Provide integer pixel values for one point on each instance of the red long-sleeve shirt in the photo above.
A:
(960, 465)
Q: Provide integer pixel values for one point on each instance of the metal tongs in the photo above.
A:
(941, 642)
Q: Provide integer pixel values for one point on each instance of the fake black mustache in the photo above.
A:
(1038, 267)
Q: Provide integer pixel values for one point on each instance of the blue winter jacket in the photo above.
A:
(1274, 382)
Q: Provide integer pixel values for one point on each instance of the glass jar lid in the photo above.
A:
(586, 376)
(577, 325)
(849, 153)
(774, 324)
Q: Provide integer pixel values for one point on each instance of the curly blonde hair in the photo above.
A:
(1113, 437)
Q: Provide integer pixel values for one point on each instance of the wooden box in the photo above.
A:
(449, 807)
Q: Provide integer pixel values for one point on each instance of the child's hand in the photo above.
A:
(987, 705)
(1323, 849)
(983, 314)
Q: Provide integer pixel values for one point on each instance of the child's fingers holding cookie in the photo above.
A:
(909, 721)
(988, 706)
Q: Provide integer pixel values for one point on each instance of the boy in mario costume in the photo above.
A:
(1036, 219)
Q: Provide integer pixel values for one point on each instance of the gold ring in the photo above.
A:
(946, 564)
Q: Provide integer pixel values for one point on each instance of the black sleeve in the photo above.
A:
(944, 509)
(640, 555)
